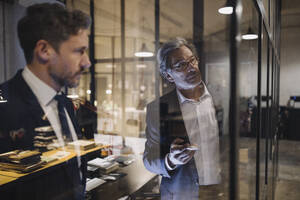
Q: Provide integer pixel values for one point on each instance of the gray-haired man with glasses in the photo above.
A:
(184, 146)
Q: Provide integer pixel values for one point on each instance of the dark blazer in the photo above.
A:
(23, 112)
(165, 123)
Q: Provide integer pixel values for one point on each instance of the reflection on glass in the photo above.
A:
(2, 99)
(143, 52)
(250, 35)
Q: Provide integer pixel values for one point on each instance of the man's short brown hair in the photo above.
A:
(50, 22)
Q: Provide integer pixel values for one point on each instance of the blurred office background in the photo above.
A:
(119, 85)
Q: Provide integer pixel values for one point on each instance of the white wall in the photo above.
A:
(11, 54)
(290, 63)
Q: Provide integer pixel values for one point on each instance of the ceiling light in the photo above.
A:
(144, 52)
(108, 91)
(250, 35)
(73, 96)
(227, 9)
(143, 88)
(141, 66)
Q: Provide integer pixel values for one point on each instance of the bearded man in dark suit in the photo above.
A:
(54, 41)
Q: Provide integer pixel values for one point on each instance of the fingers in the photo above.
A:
(182, 157)
(178, 141)
(177, 146)
(185, 155)
(180, 152)
(188, 156)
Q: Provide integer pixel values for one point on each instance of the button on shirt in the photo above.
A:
(202, 129)
(45, 95)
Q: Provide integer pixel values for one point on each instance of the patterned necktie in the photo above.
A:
(61, 104)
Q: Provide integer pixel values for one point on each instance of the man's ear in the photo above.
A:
(43, 51)
(169, 77)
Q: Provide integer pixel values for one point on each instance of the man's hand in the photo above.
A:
(180, 153)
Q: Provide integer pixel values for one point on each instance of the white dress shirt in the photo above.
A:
(202, 129)
(45, 96)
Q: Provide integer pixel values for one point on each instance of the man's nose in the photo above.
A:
(85, 63)
(191, 67)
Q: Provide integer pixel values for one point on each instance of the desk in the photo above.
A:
(58, 179)
(19, 186)
(94, 151)
(6, 179)
(136, 177)
(49, 165)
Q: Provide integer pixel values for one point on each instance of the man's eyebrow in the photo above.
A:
(81, 48)
(178, 62)
(184, 60)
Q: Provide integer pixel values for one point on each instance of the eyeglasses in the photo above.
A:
(182, 65)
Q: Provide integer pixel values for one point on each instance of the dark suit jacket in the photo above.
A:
(23, 111)
(165, 123)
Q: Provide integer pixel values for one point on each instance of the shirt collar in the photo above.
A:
(42, 91)
(182, 99)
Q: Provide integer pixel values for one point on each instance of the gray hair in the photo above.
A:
(163, 54)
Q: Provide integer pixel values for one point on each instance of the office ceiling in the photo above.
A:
(176, 17)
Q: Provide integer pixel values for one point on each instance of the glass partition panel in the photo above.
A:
(217, 76)
(138, 91)
(82, 93)
(266, 5)
(105, 47)
(248, 110)
(271, 127)
(264, 142)
(176, 19)
(107, 29)
(125, 85)
(272, 18)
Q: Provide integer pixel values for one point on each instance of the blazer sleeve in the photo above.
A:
(154, 156)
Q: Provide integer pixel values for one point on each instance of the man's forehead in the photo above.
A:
(181, 53)
(85, 31)
(81, 38)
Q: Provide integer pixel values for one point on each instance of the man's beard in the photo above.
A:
(66, 81)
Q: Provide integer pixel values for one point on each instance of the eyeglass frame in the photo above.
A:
(193, 60)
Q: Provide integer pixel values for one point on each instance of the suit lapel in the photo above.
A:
(171, 116)
(27, 95)
(32, 104)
